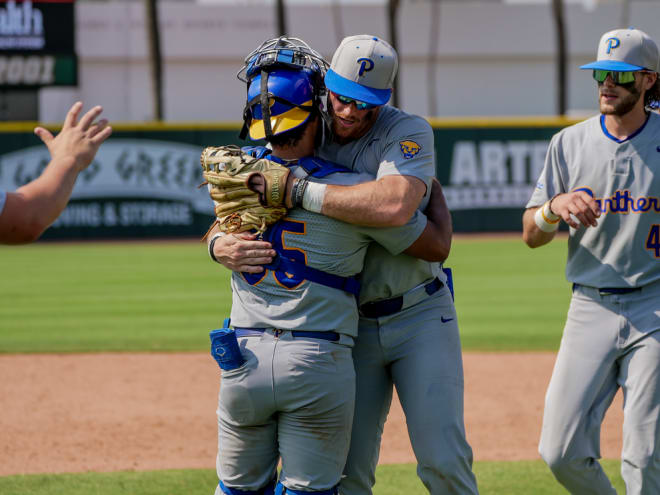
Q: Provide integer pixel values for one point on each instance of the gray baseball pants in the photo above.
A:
(609, 341)
(418, 351)
(292, 399)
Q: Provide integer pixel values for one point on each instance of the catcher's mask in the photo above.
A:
(285, 84)
(289, 98)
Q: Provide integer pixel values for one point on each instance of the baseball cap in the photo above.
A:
(363, 68)
(626, 50)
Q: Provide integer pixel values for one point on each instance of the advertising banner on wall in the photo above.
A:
(144, 180)
(141, 184)
(488, 171)
(37, 43)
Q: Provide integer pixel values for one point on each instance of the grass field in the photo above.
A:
(495, 478)
(166, 296)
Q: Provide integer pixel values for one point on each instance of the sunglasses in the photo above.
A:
(360, 105)
(618, 77)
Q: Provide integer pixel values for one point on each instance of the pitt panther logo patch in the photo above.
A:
(409, 148)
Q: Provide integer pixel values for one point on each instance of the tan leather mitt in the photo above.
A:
(228, 172)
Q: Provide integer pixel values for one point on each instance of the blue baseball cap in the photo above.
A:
(363, 68)
(626, 50)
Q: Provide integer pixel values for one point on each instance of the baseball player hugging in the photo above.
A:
(408, 334)
(288, 381)
(602, 177)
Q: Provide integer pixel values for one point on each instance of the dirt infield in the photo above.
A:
(107, 412)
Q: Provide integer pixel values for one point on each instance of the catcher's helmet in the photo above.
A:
(290, 95)
(284, 52)
(285, 84)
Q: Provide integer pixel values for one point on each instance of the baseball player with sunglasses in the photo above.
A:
(290, 393)
(602, 177)
(408, 334)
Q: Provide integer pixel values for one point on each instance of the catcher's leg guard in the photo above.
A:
(269, 489)
(280, 489)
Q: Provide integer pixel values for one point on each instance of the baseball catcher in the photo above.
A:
(233, 178)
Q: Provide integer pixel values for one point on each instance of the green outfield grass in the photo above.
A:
(166, 296)
(508, 296)
(494, 478)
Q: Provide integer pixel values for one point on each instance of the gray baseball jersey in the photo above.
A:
(275, 299)
(3, 198)
(611, 336)
(397, 144)
(624, 178)
(416, 349)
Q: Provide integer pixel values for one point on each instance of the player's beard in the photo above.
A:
(360, 128)
(625, 104)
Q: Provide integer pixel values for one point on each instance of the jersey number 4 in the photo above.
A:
(653, 240)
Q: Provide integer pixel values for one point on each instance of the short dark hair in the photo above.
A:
(652, 95)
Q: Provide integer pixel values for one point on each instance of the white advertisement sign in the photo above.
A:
(131, 183)
(493, 174)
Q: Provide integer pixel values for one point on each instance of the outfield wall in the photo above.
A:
(457, 57)
(144, 180)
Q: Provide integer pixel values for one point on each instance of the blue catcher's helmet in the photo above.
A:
(285, 84)
(291, 97)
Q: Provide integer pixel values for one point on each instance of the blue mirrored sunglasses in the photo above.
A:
(360, 105)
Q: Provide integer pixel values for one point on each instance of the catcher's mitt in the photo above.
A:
(228, 170)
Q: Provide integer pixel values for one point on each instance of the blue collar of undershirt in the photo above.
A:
(616, 140)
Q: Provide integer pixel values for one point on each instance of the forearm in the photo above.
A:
(427, 248)
(386, 202)
(35, 206)
(435, 242)
(52, 190)
(439, 217)
(532, 234)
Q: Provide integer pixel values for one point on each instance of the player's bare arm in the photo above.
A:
(434, 243)
(386, 202)
(532, 235)
(33, 207)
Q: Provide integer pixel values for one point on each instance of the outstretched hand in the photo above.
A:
(78, 140)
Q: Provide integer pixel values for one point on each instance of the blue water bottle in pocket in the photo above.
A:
(224, 347)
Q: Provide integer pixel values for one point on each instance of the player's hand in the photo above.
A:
(579, 204)
(256, 183)
(243, 252)
(77, 141)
